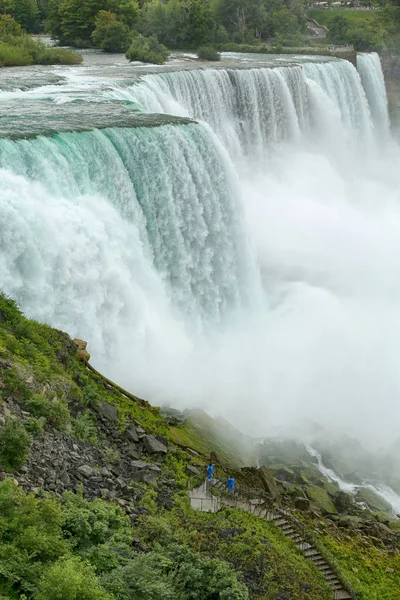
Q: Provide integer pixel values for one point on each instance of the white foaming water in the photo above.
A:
(138, 241)
(381, 490)
(370, 69)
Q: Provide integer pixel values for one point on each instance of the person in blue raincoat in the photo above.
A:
(231, 485)
(210, 472)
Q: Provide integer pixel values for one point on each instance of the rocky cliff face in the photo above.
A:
(391, 71)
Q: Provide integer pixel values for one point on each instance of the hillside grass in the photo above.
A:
(271, 565)
(365, 566)
(355, 17)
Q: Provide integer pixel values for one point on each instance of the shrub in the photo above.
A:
(70, 579)
(208, 53)
(20, 50)
(147, 49)
(35, 426)
(14, 444)
(55, 411)
(84, 428)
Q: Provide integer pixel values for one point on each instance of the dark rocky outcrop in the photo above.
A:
(269, 483)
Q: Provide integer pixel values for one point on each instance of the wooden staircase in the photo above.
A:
(201, 499)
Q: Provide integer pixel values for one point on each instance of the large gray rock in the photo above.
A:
(131, 433)
(153, 445)
(85, 470)
(269, 482)
(139, 464)
(107, 411)
(302, 503)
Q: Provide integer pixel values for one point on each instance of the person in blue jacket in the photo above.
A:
(210, 472)
(231, 485)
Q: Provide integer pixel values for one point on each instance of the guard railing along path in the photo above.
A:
(201, 499)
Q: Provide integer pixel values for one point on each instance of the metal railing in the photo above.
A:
(307, 539)
(326, 555)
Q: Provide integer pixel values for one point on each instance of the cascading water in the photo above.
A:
(247, 108)
(370, 69)
(150, 242)
(170, 186)
(384, 492)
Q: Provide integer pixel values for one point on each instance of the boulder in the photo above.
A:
(131, 433)
(342, 501)
(269, 482)
(389, 570)
(83, 353)
(139, 464)
(192, 470)
(85, 470)
(153, 445)
(107, 411)
(144, 476)
(302, 503)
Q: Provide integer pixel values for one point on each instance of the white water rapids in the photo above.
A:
(249, 264)
(384, 492)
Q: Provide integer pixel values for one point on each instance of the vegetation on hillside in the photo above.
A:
(366, 29)
(66, 547)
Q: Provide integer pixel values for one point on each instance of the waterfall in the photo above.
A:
(249, 109)
(384, 492)
(170, 187)
(370, 69)
(342, 84)
(247, 263)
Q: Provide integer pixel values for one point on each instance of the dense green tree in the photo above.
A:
(110, 34)
(199, 23)
(127, 11)
(25, 12)
(9, 26)
(70, 579)
(338, 29)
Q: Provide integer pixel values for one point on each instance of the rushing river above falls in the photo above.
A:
(225, 236)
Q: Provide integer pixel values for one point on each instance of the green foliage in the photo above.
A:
(92, 523)
(208, 53)
(175, 573)
(55, 411)
(74, 21)
(14, 444)
(30, 538)
(9, 26)
(110, 34)
(176, 23)
(70, 579)
(84, 427)
(25, 12)
(366, 30)
(35, 426)
(147, 50)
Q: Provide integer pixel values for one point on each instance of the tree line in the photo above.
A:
(113, 24)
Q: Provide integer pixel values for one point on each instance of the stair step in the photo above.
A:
(280, 521)
(342, 595)
(303, 546)
(312, 554)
